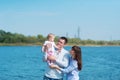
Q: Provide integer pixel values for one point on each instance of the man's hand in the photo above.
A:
(51, 58)
(53, 66)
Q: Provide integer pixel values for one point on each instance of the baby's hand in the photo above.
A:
(45, 48)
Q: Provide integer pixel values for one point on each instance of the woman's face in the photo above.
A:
(72, 52)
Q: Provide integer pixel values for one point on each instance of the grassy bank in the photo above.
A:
(15, 39)
(20, 44)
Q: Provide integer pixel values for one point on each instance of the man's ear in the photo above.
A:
(65, 44)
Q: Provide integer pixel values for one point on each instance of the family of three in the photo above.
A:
(61, 61)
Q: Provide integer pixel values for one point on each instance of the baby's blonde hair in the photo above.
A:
(50, 35)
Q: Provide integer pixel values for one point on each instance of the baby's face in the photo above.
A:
(52, 39)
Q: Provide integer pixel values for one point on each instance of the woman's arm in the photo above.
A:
(70, 68)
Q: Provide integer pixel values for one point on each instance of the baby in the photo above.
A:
(50, 47)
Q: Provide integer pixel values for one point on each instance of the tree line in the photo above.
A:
(15, 38)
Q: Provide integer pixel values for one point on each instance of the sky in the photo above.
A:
(97, 19)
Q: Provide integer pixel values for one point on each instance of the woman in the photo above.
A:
(75, 64)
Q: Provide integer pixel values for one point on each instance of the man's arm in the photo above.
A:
(64, 62)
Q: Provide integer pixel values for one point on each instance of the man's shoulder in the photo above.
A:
(64, 50)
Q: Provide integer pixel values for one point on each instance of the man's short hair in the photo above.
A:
(64, 38)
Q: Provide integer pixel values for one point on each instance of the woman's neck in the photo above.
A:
(73, 56)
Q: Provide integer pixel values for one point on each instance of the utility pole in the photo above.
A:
(67, 34)
(78, 32)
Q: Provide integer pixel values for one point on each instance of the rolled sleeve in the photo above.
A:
(64, 62)
(70, 68)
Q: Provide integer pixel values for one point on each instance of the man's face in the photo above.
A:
(61, 43)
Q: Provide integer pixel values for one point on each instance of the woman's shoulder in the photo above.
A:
(74, 63)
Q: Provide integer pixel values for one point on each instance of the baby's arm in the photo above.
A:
(44, 47)
(55, 46)
(44, 50)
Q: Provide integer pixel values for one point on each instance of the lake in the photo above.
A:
(25, 63)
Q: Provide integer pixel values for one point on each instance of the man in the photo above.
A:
(61, 58)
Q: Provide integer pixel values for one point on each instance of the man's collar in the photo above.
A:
(59, 51)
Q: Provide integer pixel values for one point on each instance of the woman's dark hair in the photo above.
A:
(78, 56)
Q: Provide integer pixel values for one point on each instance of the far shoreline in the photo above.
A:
(39, 44)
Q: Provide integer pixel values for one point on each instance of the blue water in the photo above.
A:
(25, 63)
